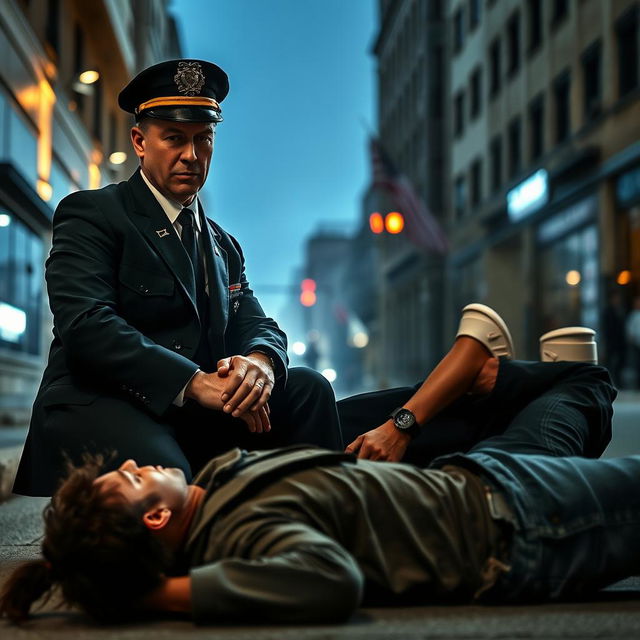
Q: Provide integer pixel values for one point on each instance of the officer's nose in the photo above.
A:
(189, 153)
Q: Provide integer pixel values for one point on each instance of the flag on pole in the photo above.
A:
(422, 228)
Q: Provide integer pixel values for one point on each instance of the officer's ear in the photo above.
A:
(137, 140)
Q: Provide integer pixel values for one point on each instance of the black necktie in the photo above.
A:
(190, 242)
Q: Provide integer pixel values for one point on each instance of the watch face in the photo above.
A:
(404, 419)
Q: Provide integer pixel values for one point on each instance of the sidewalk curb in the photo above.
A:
(9, 459)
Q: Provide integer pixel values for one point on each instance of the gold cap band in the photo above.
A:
(179, 101)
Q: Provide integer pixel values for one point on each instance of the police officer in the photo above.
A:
(161, 351)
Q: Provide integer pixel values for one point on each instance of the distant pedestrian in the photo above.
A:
(633, 335)
(614, 336)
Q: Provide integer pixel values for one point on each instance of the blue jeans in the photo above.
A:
(576, 521)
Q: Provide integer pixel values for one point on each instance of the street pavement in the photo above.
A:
(615, 613)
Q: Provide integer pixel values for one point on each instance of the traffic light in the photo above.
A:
(394, 222)
(308, 292)
(376, 223)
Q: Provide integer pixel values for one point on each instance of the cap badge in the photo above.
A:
(189, 79)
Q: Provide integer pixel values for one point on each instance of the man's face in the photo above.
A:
(175, 156)
(135, 484)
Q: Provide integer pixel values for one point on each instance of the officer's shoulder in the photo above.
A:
(85, 195)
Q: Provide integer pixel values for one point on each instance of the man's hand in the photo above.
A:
(249, 382)
(257, 421)
(206, 389)
(386, 442)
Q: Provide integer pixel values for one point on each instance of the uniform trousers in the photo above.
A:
(187, 437)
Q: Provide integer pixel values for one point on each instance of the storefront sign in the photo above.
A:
(528, 196)
(628, 188)
(567, 220)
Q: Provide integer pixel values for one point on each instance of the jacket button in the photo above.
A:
(177, 346)
(137, 394)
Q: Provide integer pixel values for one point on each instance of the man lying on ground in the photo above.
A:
(308, 535)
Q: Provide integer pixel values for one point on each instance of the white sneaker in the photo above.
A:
(569, 344)
(486, 326)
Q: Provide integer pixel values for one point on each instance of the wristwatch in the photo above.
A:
(405, 421)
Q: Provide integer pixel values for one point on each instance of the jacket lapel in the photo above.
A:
(153, 223)
(218, 278)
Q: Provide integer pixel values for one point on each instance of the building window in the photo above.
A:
(561, 89)
(435, 79)
(459, 114)
(494, 67)
(435, 9)
(515, 148)
(591, 78)
(627, 39)
(476, 182)
(52, 29)
(560, 10)
(21, 256)
(534, 8)
(475, 91)
(458, 30)
(495, 152)
(460, 196)
(97, 109)
(536, 128)
(513, 43)
(474, 14)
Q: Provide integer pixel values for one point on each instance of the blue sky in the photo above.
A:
(291, 152)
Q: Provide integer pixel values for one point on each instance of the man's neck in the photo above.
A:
(175, 534)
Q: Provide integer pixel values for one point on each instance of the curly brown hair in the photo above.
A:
(96, 550)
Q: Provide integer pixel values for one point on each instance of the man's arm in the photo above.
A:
(82, 275)
(310, 578)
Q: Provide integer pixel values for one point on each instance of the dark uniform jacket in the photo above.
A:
(122, 291)
(304, 535)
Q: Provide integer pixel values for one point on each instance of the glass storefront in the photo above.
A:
(21, 281)
(568, 268)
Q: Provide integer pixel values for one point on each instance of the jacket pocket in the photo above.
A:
(66, 394)
(145, 283)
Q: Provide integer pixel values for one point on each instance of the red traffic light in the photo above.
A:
(376, 223)
(308, 292)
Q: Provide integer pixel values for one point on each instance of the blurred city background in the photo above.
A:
(383, 163)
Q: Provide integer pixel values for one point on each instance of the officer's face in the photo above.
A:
(175, 156)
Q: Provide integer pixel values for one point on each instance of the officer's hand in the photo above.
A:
(249, 382)
(385, 442)
(257, 421)
(206, 389)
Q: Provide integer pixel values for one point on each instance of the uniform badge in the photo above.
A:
(162, 233)
(189, 78)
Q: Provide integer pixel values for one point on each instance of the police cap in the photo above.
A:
(178, 90)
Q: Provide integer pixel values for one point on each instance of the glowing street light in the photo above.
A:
(330, 374)
(573, 278)
(299, 348)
